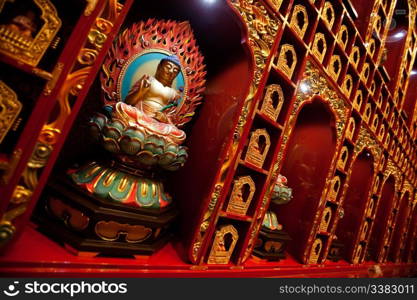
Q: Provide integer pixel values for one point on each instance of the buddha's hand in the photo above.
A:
(138, 90)
(162, 117)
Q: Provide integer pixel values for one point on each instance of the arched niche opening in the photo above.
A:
(396, 42)
(376, 243)
(412, 229)
(364, 10)
(397, 244)
(354, 205)
(221, 37)
(409, 103)
(308, 156)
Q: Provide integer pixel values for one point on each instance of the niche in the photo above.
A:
(364, 231)
(355, 56)
(315, 251)
(319, 46)
(350, 131)
(299, 20)
(381, 218)
(325, 220)
(366, 71)
(370, 207)
(376, 185)
(367, 113)
(372, 89)
(372, 46)
(401, 227)
(258, 148)
(224, 243)
(287, 60)
(358, 100)
(343, 36)
(343, 158)
(335, 185)
(348, 85)
(381, 132)
(309, 153)
(387, 140)
(242, 194)
(328, 14)
(335, 67)
(273, 100)
(375, 123)
(354, 205)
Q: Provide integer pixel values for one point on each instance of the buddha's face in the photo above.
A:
(166, 72)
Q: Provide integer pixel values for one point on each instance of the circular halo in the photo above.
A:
(143, 63)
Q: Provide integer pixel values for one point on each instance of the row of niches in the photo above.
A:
(348, 61)
(272, 239)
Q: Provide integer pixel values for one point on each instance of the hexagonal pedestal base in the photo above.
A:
(271, 244)
(85, 223)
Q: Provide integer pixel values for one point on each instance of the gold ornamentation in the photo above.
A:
(358, 254)
(358, 100)
(9, 167)
(10, 108)
(315, 251)
(370, 209)
(91, 6)
(348, 85)
(350, 131)
(51, 132)
(206, 221)
(319, 46)
(392, 169)
(224, 243)
(325, 220)
(112, 231)
(242, 194)
(276, 4)
(299, 20)
(258, 148)
(373, 89)
(367, 140)
(364, 231)
(375, 123)
(365, 72)
(28, 50)
(371, 47)
(73, 218)
(355, 56)
(20, 195)
(273, 100)
(328, 14)
(343, 36)
(262, 28)
(335, 186)
(381, 132)
(50, 85)
(335, 67)
(343, 158)
(287, 60)
(42, 73)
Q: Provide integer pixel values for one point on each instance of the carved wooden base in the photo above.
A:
(335, 251)
(271, 244)
(85, 223)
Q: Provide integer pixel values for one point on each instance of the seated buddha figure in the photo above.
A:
(149, 99)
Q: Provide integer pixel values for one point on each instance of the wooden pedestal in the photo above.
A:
(84, 223)
(271, 244)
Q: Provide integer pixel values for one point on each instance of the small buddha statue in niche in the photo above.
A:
(24, 24)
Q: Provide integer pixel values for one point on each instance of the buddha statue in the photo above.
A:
(141, 129)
